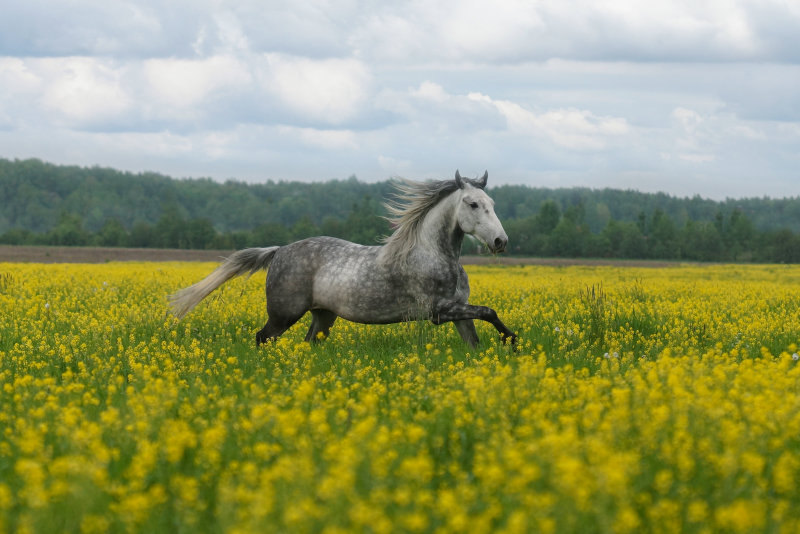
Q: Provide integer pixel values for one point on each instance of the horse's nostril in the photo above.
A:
(499, 243)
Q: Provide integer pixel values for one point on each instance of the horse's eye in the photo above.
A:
(473, 205)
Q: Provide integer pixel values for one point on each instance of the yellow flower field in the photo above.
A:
(658, 400)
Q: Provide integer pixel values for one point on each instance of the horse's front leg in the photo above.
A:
(450, 310)
(466, 329)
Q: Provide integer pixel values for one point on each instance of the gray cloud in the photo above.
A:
(626, 30)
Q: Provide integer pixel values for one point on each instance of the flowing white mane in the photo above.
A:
(407, 208)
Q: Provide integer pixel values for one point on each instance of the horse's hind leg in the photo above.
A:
(466, 329)
(275, 327)
(321, 322)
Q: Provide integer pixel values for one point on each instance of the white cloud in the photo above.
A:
(568, 128)
(17, 85)
(394, 166)
(330, 91)
(430, 91)
(487, 31)
(324, 139)
(694, 141)
(16, 76)
(80, 91)
(230, 33)
(85, 90)
(186, 84)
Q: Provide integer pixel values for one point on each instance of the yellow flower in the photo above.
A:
(111, 415)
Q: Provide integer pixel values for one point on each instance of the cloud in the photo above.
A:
(84, 28)
(84, 90)
(324, 139)
(178, 85)
(313, 28)
(515, 31)
(79, 91)
(218, 90)
(430, 91)
(568, 128)
(439, 33)
(329, 91)
(695, 141)
(19, 86)
(394, 166)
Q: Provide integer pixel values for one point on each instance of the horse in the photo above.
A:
(414, 274)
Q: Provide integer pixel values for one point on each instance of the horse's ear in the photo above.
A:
(482, 180)
(459, 181)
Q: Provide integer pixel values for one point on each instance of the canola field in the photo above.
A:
(639, 400)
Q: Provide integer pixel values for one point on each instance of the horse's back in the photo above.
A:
(299, 262)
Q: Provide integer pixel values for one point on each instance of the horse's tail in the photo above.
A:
(246, 261)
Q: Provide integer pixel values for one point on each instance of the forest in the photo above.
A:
(46, 204)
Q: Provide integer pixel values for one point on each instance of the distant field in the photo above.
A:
(45, 254)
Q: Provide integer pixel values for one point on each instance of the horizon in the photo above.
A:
(683, 98)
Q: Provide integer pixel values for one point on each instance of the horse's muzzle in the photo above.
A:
(499, 245)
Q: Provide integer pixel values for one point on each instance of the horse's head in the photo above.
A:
(475, 213)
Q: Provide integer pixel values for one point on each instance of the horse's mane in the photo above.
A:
(407, 208)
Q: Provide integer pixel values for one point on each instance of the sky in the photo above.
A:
(685, 97)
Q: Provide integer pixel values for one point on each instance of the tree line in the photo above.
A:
(361, 225)
(653, 235)
(65, 205)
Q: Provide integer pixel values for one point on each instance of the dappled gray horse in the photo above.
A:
(415, 274)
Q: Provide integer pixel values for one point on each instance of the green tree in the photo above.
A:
(525, 237)
(739, 236)
(576, 213)
(303, 228)
(142, 235)
(625, 240)
(112, 234)
(663, 242)
(199, 233)
(548, 217)
(783, 246)
(633, 244)
(69, 231)
(269, 235)
(363, 225)
(567, 239)
(701, 241)
(597, 246)
(170, 230)
(17, 236)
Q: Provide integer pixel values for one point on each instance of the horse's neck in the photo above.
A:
(440, 233)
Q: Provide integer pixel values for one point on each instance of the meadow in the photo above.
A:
(639, 399)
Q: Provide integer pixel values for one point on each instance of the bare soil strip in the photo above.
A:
(44, 254)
